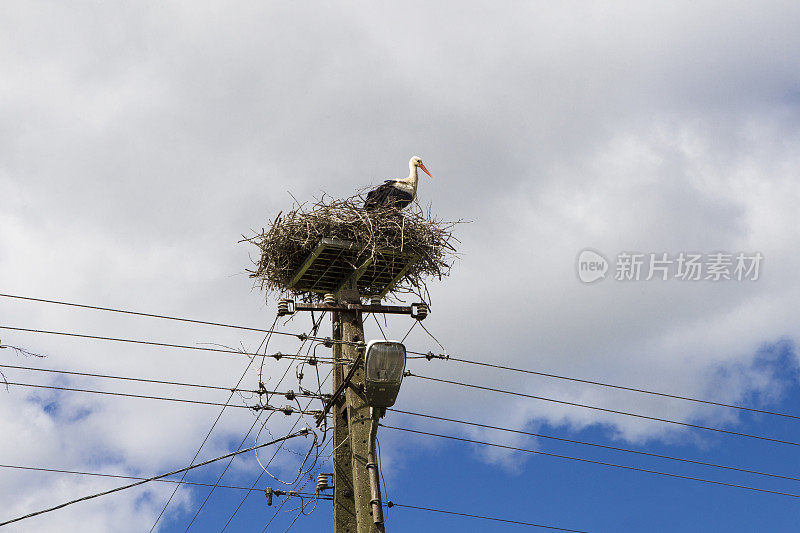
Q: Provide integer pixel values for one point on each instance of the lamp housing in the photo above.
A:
(384, 363)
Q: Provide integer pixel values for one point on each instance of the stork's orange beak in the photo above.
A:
(425, 170)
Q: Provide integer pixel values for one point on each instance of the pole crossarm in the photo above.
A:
(412, 309)
(393, 309)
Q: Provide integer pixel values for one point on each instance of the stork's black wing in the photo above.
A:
(386, 195)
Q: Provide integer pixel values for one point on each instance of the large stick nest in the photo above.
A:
(291, 237)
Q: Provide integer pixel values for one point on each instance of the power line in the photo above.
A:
(150, 315)
(123, 394)
(219, 479)
(594, 444)
(301, 336)
(267, 465)
(493, 518)
(213, 425)
(260, 474)
(114, 476)
(584, 460)
(287, 410)
(157, 381)
(222, 474)
(277, 355)
(302, 432)
(605, 410)
(430, 355)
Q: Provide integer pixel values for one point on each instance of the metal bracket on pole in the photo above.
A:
(372, 469)
(338, 392)
(369, 308)
(417, 310)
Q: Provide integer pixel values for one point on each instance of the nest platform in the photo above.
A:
(334, 261)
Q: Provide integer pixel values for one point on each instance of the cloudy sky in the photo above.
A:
(139, 142)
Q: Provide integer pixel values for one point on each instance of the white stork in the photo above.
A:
(397, 193)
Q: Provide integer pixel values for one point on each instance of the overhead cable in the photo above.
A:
(591, 461)
(156, 381)
(286, 410)
(168, 345)
(493, 518)
(430, 356)
(603, 409)
(596, 445)
(302, 432)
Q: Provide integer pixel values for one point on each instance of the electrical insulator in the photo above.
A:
(421, 311)
(322, 482)
(268, 493)
(375, 300)
(283, 307)
(330, 299)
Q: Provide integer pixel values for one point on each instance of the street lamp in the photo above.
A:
(384, 364)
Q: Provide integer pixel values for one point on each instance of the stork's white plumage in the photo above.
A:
(397, 193)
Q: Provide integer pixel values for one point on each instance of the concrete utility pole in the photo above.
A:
(353, 496)
(344, 507)
(357, 506)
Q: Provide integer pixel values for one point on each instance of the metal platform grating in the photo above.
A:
(333, 261)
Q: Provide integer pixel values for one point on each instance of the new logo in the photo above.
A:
(591, 266)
